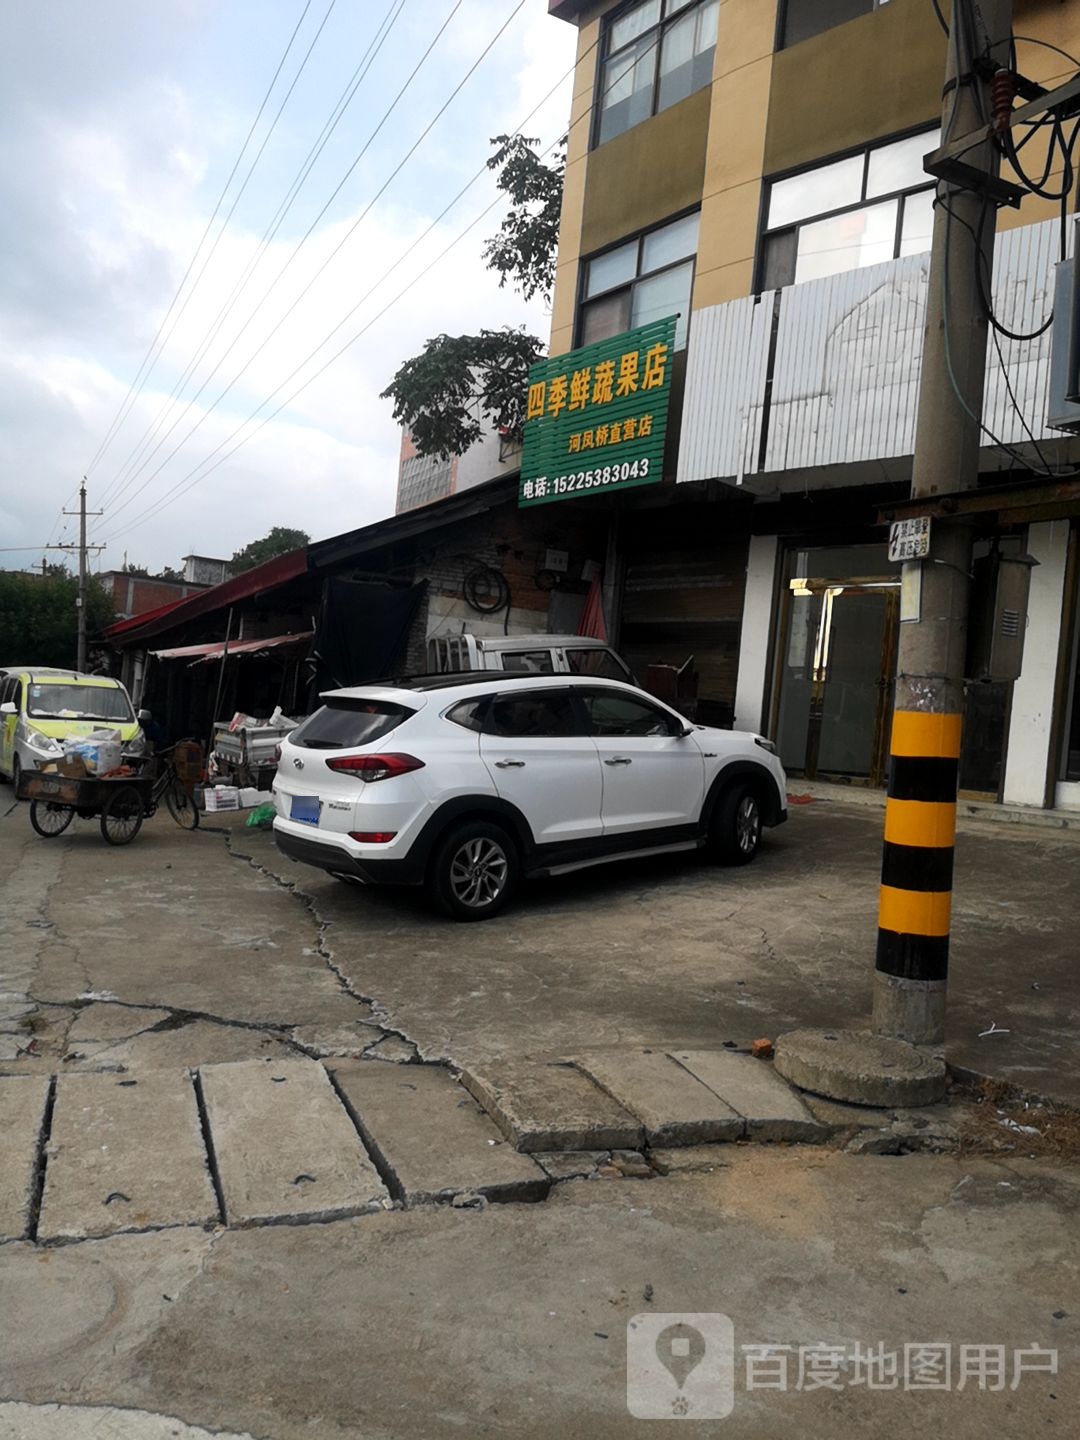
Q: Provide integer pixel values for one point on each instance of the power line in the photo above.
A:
(272, 286)
(337, 249)
(139, 457)
(192, 478)
(344, 101)
(141, 378)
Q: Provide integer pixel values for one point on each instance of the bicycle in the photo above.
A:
(123, 802)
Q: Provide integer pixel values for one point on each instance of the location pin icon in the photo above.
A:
(680, 1349)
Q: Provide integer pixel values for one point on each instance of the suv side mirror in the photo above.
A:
(8, 708)
(143, 716)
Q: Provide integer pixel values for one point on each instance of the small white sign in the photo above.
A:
(909, 539)
(556, 560)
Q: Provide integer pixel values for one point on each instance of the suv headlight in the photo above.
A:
(136, 746)
(765, 744)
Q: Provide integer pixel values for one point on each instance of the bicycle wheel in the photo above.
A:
(181, 806)
(122, 817)
(50, 819)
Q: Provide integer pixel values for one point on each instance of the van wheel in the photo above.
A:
(475, 871)
(735, 833)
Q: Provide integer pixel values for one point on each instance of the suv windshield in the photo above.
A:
(344, 724)
(79, 702)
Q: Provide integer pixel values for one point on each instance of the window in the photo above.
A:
(601, 663)
(641, 280)
(849, 213)
(534, 662)
(803, 18)
(85, 702)
(344, 724)
(538, 713)
(656, 53)
(468, 713)
(614, 714)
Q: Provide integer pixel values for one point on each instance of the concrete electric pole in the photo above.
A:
(83, 548)
(920, 815)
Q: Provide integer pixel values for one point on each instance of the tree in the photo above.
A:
(39, 617)
(277, 542)
(525, 248)
(141, 572)
(445, 394)
(441, 393)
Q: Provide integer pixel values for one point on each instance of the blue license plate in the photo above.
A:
(305, 808)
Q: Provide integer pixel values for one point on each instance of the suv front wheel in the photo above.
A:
(475, 871)
(735, 833)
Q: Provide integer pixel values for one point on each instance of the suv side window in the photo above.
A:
(7, 688)
(533, 713)
(613, 714)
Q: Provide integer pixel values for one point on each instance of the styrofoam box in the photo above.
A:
(221, 797)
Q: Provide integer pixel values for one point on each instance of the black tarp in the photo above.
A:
(362, 633)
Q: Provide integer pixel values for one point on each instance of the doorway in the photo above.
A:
(835, 673)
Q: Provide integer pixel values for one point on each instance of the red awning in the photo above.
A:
(203, 654)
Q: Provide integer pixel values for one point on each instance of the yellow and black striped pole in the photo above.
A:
(920, 826)
(916, 873)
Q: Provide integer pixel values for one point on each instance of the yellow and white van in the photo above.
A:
(40, 708)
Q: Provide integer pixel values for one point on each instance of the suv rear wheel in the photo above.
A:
(735, 833)
(475, 871)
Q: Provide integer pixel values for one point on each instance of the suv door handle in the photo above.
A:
(509, 764)
(619, 760)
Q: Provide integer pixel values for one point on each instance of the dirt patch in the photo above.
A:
(997, 1119)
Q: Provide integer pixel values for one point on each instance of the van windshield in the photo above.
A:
(79, 702)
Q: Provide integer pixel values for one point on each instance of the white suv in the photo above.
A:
(466, 783)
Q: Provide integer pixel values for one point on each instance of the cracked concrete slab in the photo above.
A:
(124, 1154)
(542, 1106)
(101, 1020)
(196, 1043)
(285, 1148)
(672, 1104)
(430, 1137)
(770, 1107)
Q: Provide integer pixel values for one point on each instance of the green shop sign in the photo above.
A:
(597, 417)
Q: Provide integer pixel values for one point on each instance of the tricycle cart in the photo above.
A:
(122, 801)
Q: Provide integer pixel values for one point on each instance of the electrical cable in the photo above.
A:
(940, 17)
(135, 389)
(192, 478)
(138, 456)
(321, 269)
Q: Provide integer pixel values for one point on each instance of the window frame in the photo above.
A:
(765, 233)
(781, 42)
(603, 57)
(637, 239)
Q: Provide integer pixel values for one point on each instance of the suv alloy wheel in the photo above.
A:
(475, 871)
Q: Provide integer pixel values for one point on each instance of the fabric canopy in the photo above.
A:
(203, 654)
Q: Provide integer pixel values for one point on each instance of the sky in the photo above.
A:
(120, 124)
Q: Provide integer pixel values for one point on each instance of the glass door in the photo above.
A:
(836, 678)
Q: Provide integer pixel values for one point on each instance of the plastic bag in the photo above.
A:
(261, 818)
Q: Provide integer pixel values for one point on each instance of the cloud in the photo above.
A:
(108, 174)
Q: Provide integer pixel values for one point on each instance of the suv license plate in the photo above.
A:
(305, 808)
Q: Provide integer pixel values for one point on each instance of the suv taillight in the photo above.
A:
(374, 767)
(277, 753)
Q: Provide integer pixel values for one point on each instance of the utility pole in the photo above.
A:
(920, 815)
(80, 603)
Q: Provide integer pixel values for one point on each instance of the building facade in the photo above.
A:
(756, 167)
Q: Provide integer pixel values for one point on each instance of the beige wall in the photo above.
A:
(872, 77)
(738, 118)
